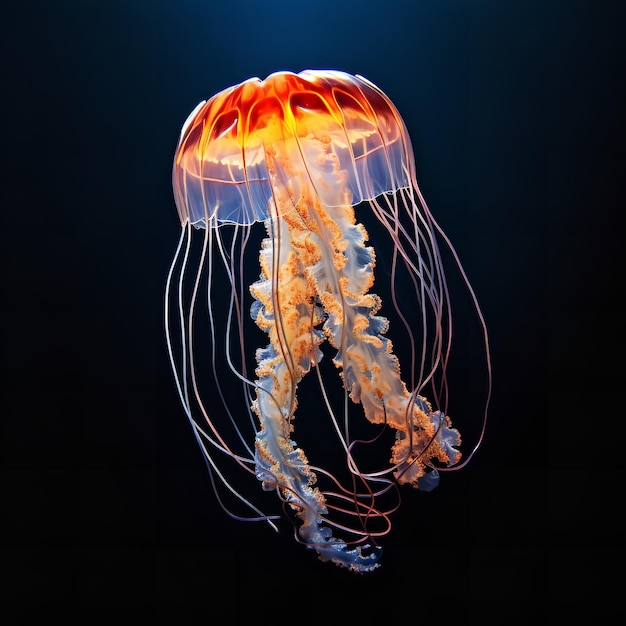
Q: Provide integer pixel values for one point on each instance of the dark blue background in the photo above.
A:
(516, 112)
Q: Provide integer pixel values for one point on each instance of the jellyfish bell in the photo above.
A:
(322, 127)
(298, 152)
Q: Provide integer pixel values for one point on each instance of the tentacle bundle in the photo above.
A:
(317, 254)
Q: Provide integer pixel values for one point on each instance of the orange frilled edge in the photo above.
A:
(318, 121)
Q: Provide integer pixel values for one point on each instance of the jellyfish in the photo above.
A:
(318, 158)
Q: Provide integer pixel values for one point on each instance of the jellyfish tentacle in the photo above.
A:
(284, 293)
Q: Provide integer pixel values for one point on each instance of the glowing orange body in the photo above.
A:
(227, 143)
